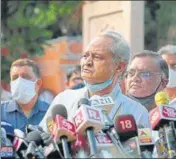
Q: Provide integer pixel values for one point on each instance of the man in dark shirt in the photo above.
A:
(24, 108)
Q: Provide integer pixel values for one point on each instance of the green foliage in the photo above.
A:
(32, 24)
(160, 24)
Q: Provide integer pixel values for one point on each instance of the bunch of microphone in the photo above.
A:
(163, 120)
(91, 134)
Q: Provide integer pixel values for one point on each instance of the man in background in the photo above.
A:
(74, 80)
(147, 74)
(168, 53)
(24, 108)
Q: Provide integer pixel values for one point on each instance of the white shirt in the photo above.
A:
(172, 103)
(123, 105)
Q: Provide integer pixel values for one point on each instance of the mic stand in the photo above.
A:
(65, 147)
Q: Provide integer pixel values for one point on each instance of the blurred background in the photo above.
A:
(54, 33)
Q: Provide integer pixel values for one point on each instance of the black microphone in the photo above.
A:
(34, 139)
(59, 109)
(126, 127)
(31, 127)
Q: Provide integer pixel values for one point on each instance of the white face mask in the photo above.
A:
(23, 90)
(172, 78)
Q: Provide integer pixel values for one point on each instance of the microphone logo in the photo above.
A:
(78, 119)
(154, 117)
(169, 112)
(103, 139)
(67, 125)
(93, 114)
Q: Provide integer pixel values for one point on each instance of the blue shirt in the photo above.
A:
(11, 113)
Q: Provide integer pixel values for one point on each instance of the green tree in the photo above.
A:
(27, 25)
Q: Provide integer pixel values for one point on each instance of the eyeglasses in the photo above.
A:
(141, 74)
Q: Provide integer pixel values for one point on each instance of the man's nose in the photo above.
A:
(89, 61)
(136, 77)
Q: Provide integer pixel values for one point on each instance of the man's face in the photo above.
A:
(74, 80)
(25, 72)
(97, 63)
(171, 60)
(143, 77)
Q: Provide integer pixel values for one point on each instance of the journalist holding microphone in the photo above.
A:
(104, 60)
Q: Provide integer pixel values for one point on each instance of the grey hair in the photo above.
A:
(119, 47)
(168, 49)
(162, 63)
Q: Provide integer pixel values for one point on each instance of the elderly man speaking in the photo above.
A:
(104, 60)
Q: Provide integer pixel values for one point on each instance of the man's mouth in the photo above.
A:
(87, 70)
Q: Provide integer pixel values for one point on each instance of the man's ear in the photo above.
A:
(164, 82)
(67, 84)
(121, 67)
(38, 85)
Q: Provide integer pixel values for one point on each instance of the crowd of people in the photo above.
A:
(107, 68)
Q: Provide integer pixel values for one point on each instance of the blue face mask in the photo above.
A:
(99, 86)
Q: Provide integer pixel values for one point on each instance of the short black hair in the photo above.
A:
(76, 69)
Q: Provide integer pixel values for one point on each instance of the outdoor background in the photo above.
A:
(28, 26)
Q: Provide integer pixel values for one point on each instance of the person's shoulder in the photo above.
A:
(133, 103)
(71, 93)
(7, 103)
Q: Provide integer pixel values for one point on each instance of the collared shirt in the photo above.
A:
(123, 105)
(11, 113)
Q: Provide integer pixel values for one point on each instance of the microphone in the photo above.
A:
(109, 124)
(80, 147)
(63, 130)
(50, 124)
(9, 130)
(34, 139)
(132, 147)
(162, 114)
(163, 118)
(6, 150)
(125, 126)
(105, 103)
(146, 142)
(105, 143)
(31, 127)
(19, 133)
(88, 120)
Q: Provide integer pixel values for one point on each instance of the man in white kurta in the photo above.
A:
(104, 60)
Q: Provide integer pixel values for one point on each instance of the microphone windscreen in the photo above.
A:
(59, 109)
(9, 130)
(34, 136)
(83, 101)
(126, 127)
(161, 98)
(19, 133)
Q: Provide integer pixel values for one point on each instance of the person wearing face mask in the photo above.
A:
(24, 108)
(147, 74)
(104, 60)
(168, 53)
